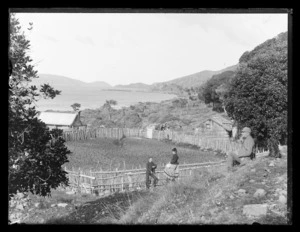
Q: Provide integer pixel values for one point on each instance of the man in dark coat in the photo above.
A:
(150, 171)
(174, 157)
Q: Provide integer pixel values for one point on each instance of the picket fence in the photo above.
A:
(207, 143)
(103, 183)
(107, 182)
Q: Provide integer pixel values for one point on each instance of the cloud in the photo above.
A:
(50, 38)
(85, 40)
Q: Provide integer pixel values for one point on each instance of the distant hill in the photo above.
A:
(134, 86)
(67, 84)
(192, 80)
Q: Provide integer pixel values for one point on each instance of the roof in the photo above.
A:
(58, 118)
(225, 123)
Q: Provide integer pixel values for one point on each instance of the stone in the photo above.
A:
(271, 164)
(259, 193)
(62, 205)
(20, 195)
(241, 191)
(37, 204)
(282, 199)
(231, 197)
(20, 207)
(53, 205)
(253, 170)
(255, 210)
(70, 192)
(251, 181)
(283, 192)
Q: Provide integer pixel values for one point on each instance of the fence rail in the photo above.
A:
(107, 182)
(214, 143)
(127, 180)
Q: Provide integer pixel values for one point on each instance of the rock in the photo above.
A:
(253, 170)
(15, 216)
(231, 197)
(282, 199)
(283, 192)
(251, 181)
(259, 193)
(241, 191)
(20, 195)
(37, 204)
(53, 205)
(70, 192)
(62, 205)
(20, 207)
(255, 210)
(271, 164)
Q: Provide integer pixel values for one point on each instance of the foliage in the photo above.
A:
(258, 93)
(34, 159)
(108, 106)
(76, 106)
(214, 89)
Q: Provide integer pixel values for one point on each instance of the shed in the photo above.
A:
(150, 128)
(62, 120)
(216, 126)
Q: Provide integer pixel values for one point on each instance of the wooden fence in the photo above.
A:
(216, 144)
(104, 183)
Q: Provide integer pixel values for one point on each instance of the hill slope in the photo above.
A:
(66, 83)
(193, 80)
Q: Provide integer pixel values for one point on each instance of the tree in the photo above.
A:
(35, 153)
(76, 106)
(258, 93)
(107, 105)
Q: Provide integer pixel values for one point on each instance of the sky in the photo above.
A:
(124, 48)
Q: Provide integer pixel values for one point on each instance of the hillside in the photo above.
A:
(67, 84)
(253, 194)
(192, 80)
(134, 86)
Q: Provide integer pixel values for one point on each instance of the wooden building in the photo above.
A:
(215, 127)
(62, 120)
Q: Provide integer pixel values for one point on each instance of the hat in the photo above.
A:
(246, 129)
(174, 149)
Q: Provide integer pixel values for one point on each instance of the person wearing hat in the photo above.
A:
(245, 150)
(174, 157)
(150, 171)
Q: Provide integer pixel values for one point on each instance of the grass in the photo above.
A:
(103, 153)
(209, 196)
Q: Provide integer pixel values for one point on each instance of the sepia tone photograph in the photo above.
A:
(149, 117)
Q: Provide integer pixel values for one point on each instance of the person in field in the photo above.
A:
(150, 171)
(245, 150)
(171, 170)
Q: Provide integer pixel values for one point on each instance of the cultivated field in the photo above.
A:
(103, 153)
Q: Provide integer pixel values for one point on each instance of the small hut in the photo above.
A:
(150, 128)
(62, 120)
(215, 127)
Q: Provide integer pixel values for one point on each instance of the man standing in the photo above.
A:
(247, 144)
(175, 157)
(150, 171)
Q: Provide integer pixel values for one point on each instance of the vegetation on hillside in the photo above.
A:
(257, 96)
(179, 114)
(214, 89)
(35, 154)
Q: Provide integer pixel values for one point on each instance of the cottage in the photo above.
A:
(215, 127)
(62, 120)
